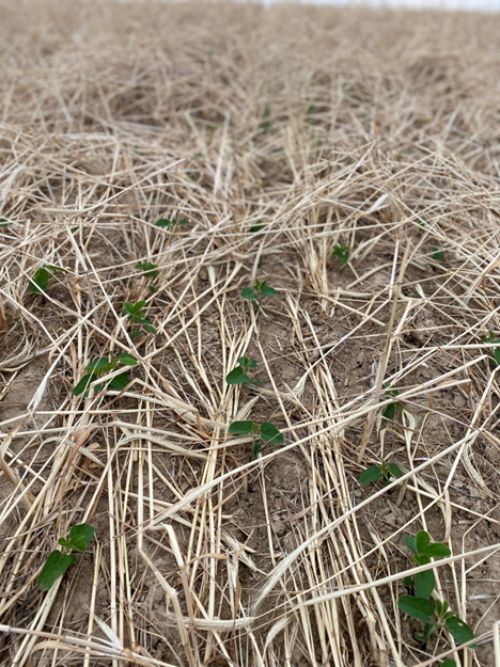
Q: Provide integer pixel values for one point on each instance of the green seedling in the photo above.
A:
(492, 339)
(257, 292)
(394, 408)
(243, 373)
(379, 471)
(436, 615)
(39, 282)
(148, 269)
(261, 434)
(258, 227)
(423, 550)
(448, 663)
(342, 253)
(437, 253)
(170, 223)
(136, 314)
(103, 366)
(59, 561)
(4, 222)
(265, 124)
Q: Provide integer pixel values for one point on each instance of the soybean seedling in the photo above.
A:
(136, 314)
(434, 614)
(103, 366)
(382, 470)
(260, 290)
(261, 434)
(170, 223)
(342, 253)
(148, 269)
(491, 339)
(423, 550)
(258, 227)
(59, 561)
(39, 282)
(391, 409)
(437, 253)
(243, 373)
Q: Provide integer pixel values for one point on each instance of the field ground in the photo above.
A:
(322, 127)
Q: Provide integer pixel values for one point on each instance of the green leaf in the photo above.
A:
(237, 376)
(269, 433)
(247, 363)
(120, 381)
(411, 543)
(258, 227)
(82, 384)
(149, 269)
(100, 366)
(169, 223)
(81, 535)
(459, 629)
(449, 663)
(127, 360)
(370, 475)
(425, 582)
(422, 540)
(148, 325)
(39, 282)
(248, 294)
(268, 291)
(342, 253)
(55, 566)
(419, 608)
(437, 550)
(165, 223)
(134, 309)
(437, 254)
(395, 470)
(242, 428)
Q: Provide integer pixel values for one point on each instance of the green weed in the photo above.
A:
(261, 434)
(59, 561)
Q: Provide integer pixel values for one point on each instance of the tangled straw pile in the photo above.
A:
(377, 131)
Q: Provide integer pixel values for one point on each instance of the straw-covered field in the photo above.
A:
(349, 160)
